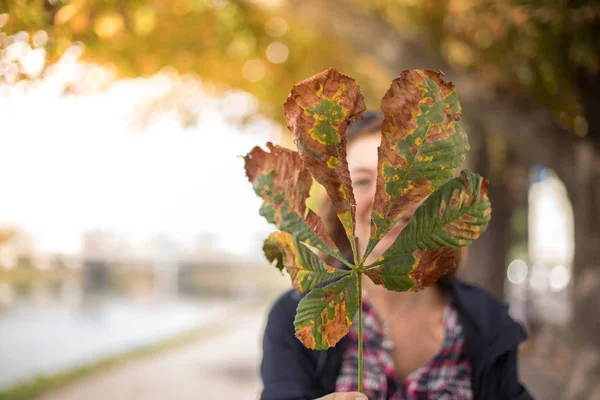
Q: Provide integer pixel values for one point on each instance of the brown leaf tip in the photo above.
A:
(483, 189)
(305, 335)
(254, 161)
(432, 264)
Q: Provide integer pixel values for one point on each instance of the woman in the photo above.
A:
(450, 341)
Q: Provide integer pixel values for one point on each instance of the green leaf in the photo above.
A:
(422, 144)
(318, 111)
(454, 216)
(281, 180)
(306, 269)
(325, 315)
(413, 271)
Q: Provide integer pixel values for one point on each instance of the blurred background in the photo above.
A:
(130, 261)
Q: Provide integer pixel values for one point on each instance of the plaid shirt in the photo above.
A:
(447, 376)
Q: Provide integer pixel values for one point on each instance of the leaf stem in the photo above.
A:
(335, 255)
(375, 264)
(360, 334)
(364, 257)
(354, 251)
(370, 246)
(346, 263)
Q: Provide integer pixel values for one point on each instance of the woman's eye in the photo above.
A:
(363, 182)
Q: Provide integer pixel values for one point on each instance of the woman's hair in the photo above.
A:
(370, 124)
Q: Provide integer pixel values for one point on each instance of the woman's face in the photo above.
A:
(362, 162)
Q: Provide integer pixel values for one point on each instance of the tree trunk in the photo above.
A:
(486, 257)
(584, 189)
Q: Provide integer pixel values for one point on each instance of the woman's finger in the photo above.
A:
(344, 396)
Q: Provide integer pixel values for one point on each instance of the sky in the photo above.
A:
(72, 164)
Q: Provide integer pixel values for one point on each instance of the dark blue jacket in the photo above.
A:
(291, 371)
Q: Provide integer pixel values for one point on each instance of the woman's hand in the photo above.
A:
(344, 396)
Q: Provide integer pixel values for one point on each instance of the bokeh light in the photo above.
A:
(277, 52)
(276, 26)
(3, 19)
(253, 70)
(559, 278)
(517, 271)
(40, 38)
